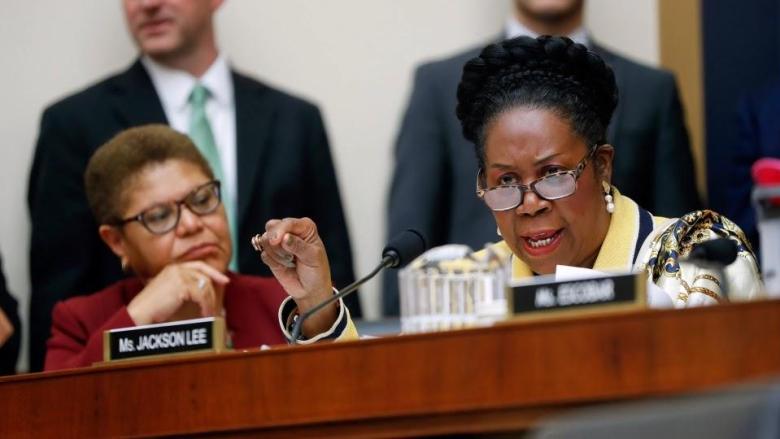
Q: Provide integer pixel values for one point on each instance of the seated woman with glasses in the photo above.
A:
(159, 211)
(537, 111)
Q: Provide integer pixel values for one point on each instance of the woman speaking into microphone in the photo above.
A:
(537, 111)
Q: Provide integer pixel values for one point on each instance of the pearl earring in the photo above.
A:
(608, 196)
(498, 232)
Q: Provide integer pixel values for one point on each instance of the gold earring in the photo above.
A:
(608, 196)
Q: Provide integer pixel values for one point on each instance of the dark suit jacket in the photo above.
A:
(9, 352)
(284, 170)
(433, 185)
(251, 310)
(759, 137)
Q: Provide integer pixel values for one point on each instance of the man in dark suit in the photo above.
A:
(433, 185)
(272, 153)
(10, 328)
(759, 137)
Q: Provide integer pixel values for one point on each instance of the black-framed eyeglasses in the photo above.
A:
(550, 187)
(164, 217)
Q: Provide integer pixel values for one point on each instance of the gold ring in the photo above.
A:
(256, 243)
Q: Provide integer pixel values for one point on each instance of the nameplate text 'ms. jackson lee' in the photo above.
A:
(180, 337)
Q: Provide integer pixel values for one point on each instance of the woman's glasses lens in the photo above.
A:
(160, 219)
(204, 200)
(164, 218)
(503, 197)
(556, 186)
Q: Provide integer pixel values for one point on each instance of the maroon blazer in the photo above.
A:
(251, 310)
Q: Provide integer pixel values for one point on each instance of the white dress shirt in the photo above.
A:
(516, 29)
(174, 88)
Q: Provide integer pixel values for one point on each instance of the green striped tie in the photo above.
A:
(202, 136)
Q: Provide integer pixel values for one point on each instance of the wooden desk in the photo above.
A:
(495, 379)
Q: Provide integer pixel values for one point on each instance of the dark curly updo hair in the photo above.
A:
(551, 73)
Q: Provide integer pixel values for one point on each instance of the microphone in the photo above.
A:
(401, 250)
(404, 247)
(721, 251)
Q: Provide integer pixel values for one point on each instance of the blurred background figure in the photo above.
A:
(270, 150)
(741, 83)
(759, 137)
(10, 328)
(432, 186)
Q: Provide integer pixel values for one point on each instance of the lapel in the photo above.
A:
(134, 98)
(617, 67)
(254, 117)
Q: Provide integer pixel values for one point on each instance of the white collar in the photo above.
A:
(515, 29)
(174, 86)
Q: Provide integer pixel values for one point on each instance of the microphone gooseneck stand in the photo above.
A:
(387, 261)
(404, 247)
